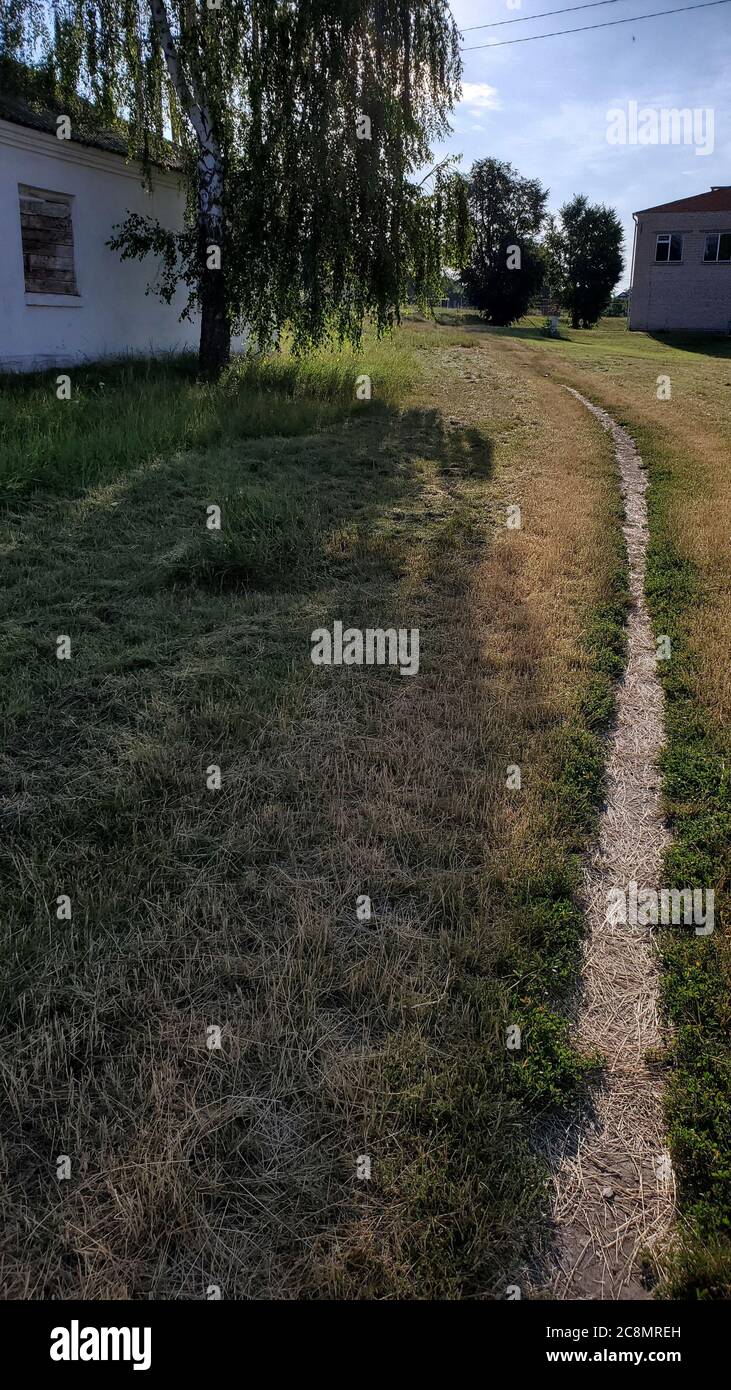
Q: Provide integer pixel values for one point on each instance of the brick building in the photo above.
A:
(681, 265)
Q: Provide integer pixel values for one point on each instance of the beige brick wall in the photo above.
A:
(689, 294)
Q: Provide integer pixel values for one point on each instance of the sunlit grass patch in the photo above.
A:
(123, 413)
(684, 441)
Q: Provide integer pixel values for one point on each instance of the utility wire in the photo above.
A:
(526, 18)
(608, 24)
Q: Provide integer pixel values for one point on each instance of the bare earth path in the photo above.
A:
(614, 1190)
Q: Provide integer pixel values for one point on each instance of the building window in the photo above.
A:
(718, 247)
(669, 247)
(48, 242)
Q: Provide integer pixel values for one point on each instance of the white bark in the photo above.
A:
(190, 100)
(210, 162)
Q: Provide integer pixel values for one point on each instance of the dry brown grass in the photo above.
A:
(237, 908)
(684, 442)
(693, 428)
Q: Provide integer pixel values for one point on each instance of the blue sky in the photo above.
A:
(544, 105)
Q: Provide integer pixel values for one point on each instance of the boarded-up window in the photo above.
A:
(48, 242)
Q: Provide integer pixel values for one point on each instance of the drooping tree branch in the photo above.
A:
(303, 128)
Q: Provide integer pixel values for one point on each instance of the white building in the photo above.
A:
(65, 297)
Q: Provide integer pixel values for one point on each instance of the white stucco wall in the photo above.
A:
(112, 313)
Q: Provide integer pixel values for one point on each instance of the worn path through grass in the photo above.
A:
(673, 394)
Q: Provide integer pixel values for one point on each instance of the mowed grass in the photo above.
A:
(234, 908)
(685, 442)
(122, 413)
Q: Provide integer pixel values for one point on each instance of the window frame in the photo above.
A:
(718, 259)
(666, 238)
(47, 295)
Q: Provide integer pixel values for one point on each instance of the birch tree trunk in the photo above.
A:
(215, 339)
(215, 335)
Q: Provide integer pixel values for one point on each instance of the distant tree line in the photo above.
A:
(518, 252)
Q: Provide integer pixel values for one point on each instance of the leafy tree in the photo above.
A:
(300, 124)
(506, 267)
(584, 257)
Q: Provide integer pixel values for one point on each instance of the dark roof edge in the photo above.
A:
(695, 202)
(16, 110)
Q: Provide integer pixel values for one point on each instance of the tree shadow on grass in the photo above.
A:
(191, 904)
(708, 345)
(131, 571)
(335, 510)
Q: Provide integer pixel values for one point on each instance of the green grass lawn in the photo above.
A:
(197, 907)
(124, 413)
(685, 442)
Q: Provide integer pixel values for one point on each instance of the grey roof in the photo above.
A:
(83, 130)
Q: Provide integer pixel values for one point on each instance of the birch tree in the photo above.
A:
(301, 126)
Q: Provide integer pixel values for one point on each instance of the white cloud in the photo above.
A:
(479, 96)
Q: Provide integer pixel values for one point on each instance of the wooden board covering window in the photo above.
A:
(48, 242)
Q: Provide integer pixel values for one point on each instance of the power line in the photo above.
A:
(526, 18)
(608, 24)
